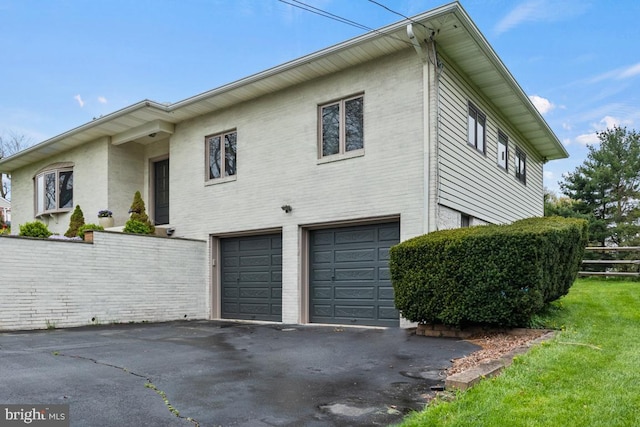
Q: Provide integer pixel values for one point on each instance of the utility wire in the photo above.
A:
(400, 14)
(325, 14)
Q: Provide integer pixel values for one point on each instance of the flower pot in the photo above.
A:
(105, 221)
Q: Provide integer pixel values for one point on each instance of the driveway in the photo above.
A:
(214, 373)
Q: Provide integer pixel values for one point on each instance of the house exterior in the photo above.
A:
(303, 176)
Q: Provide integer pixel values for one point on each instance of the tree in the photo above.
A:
(76, 221)
(138, 222)
(10, 144)
(607, 186)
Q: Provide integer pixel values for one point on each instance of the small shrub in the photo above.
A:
(138, 214)
(76, 221)
(86, 227)
(137, 227)
(35, 229)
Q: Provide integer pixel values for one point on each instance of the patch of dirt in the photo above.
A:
(494, 345)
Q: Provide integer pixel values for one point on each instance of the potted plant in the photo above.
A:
(105, 218)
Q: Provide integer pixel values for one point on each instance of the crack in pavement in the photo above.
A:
(148, 384)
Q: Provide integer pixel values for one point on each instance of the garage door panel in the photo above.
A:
(322, 292)
(322, 275)
(355, 236)
(357, 293)
(350, 274)
(255, 261)
(387, 313)
(385, 293)
(251, 277)
(355, 255)
(322, 311)
(389, 234)
(357, 312)
(349, 277)
(255, 308)
(384, 273)
(254, 293)
(257, 276)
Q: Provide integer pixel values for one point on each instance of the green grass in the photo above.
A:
(589, 375)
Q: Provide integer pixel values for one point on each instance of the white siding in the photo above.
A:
(473, 183)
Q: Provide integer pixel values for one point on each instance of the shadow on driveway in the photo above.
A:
(211, 373)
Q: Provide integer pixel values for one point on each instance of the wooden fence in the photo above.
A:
(612, 261)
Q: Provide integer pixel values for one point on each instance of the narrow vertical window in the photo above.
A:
(221, 155)
(476, 129)
(341, 126)
(521, 165)
(503, 150)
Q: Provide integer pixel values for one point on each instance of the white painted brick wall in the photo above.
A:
(118, 278)
(278, 164)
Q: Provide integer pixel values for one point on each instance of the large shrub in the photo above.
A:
(34, 229)
(496, 274)
(76, 221)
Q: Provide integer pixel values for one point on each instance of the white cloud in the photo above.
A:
(541, 11)
(610, 122)
(543, 105)
(587, 139)
(79, 99)
(618, 74)
(102, 100)
(566, 126)
(549, 175)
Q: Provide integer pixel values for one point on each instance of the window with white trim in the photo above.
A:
(521, 165)
(221, 155)
(503, 150)
(54, 189)
(476, 129)
(341, 126)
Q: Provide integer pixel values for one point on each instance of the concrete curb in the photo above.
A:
(464, 380)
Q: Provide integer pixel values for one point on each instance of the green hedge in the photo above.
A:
(494, 274)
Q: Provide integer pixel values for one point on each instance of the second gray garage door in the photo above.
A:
(349, 281)
(251, 277)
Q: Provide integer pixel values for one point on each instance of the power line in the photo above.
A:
(398, 13)
(325, 14)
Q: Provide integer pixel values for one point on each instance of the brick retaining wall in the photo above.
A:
(117, 278)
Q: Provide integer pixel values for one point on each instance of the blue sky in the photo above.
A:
(68, 61)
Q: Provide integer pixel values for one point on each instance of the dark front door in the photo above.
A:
(161, 191)
(349, 279)
(251, 277)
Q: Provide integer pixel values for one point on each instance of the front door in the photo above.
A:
(161, 191)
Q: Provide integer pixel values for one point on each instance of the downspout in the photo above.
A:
(426, 50)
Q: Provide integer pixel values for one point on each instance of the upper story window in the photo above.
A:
(521, 165)
(341, 126)
(54, 189)
(503, 150)
(476, 129)
(221, 155)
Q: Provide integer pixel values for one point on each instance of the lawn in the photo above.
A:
(589, 375)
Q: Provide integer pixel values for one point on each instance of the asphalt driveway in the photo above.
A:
(210, 373)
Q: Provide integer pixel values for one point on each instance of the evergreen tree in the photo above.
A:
(138, 215)
(76, 221)
(607, 186)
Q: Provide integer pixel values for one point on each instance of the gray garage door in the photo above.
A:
(251, 272)
(349, 275)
